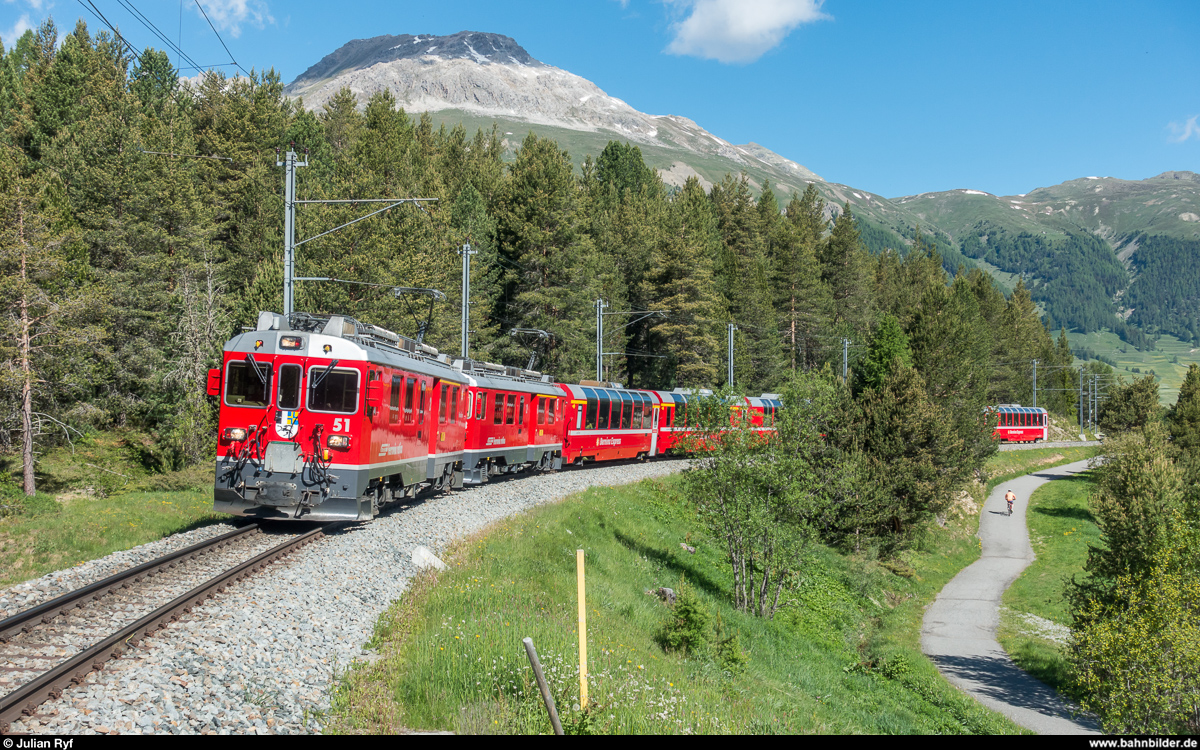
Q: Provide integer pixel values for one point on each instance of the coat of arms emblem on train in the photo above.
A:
(285, 423)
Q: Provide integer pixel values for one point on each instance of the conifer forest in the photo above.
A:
(143, 221)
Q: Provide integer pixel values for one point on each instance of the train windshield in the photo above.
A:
(337, 392)
(244, 387)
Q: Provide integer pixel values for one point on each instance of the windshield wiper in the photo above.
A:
(258, 372)
(314, 383)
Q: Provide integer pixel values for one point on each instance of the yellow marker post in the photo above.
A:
(583, 696)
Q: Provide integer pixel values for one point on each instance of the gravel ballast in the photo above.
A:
(260, 658)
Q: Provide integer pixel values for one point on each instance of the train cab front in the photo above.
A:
(290, 429)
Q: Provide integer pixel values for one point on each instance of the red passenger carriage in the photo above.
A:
(606, 422)
(515, 421)
(1021, 424)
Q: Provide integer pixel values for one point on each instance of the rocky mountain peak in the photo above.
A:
(1181, 175)
(490, 75)
(481, 47)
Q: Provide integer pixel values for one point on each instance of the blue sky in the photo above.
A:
(896, 98)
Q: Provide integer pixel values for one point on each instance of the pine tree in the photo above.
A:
(887, 350)
(844, 269)
(555, 274)
(911, 455)
(744, 278)
(804, 301)
(1184, 417)
(48, 313)
(683, 274)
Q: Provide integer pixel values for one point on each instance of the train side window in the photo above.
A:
(591, 409)
(408, 400)
(481, 405)
(454, 404)
(541, 402)
(602, 419)
(550, 410)
(498, 416)
(421, 408)
(394, 414)
(511, 413)
(289, 387)
(521, 415)
(626, 412)
(442, 402)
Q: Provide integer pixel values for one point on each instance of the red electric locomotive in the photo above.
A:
(1021, 424)
(324, 418)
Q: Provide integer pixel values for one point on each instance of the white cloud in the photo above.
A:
(10, 36)
(230, 15)
(1184, 131)
(738, 30)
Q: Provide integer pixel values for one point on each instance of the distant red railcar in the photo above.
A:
(1021, 424)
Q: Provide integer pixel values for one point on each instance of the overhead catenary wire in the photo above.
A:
(219, 39)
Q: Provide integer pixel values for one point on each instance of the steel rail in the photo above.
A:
(43, 613)
(24, 701)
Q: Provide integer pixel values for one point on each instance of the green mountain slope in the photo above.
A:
(1116, 210)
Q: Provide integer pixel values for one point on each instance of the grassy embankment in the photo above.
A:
(95, 500)
(1035, 620)
(841, 656)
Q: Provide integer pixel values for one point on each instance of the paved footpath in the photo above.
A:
(959, 631)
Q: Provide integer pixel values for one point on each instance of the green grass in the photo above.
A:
(1061, 528)
(51, 535)
(94, 498)
(842, 656)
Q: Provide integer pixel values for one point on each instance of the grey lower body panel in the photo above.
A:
(478, 465)
(300, 492)
(331, 509)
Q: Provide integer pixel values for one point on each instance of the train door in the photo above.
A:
(441, 395)
(654, 410)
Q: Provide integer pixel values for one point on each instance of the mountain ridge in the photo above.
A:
(479, 79)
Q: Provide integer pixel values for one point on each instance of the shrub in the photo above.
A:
(688, 628)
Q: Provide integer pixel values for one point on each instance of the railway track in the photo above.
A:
(49, 647)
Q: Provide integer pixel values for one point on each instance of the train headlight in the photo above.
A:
(235, 434)
(291, 342)
(338, 441)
